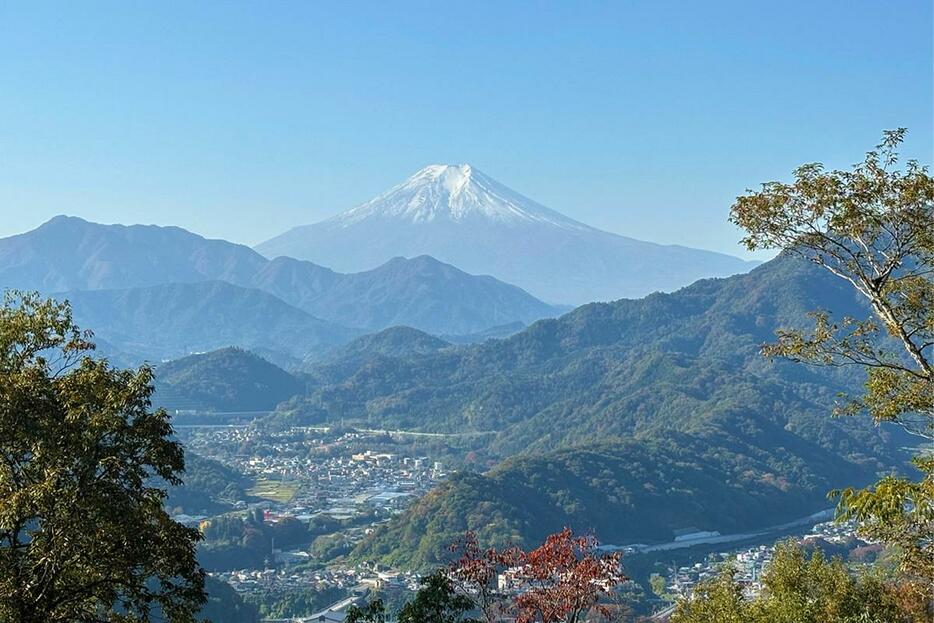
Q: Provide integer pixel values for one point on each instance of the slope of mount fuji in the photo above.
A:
(456, 193)
(461, 216)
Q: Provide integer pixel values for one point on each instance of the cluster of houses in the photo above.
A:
(359, 579)
(751, 563)
(331, 473)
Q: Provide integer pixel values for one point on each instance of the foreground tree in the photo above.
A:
(475, 572)
(720, 599)
(372, 612)
(802, 589)
(437, 601)
(83, 533)
(873, 227)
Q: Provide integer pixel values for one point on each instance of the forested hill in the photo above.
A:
(165, 321)
(229, 379)
(623, 491)
(208, 487)
(391, 343)
(685, 360)
(724, 439)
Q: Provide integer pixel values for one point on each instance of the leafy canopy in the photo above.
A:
(437, 601)
(801, 589)
(872, 226)
(83, 532)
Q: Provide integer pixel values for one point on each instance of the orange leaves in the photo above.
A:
(559, 581)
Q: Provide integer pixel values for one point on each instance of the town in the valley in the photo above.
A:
(354, 480)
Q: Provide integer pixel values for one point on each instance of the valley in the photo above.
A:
(334, 488)
(342, 430)
(391, 447)
(636, 421)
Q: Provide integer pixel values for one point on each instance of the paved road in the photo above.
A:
(380, 431)
(824, 515)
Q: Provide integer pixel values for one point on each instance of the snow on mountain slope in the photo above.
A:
(464, 217)
(455, 193)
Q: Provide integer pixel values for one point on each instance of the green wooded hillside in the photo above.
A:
(229, 379)
(706, 432)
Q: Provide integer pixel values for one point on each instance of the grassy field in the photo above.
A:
(275, 490)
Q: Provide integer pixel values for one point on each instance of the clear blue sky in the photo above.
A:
(240, 120)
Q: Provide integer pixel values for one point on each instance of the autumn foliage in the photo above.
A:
(560, 581)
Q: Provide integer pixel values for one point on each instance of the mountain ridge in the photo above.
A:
(455, 192)
(679, 373)
(167, 321)
(604, 354)
(421, 292)
(71, 254)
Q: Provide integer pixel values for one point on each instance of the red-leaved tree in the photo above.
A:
(476, 570)
(566, 577)
(559, 582)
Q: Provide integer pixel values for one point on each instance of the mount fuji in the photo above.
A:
(464, 217)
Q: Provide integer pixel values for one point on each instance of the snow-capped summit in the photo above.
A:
(454, 192)
(459, 215)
